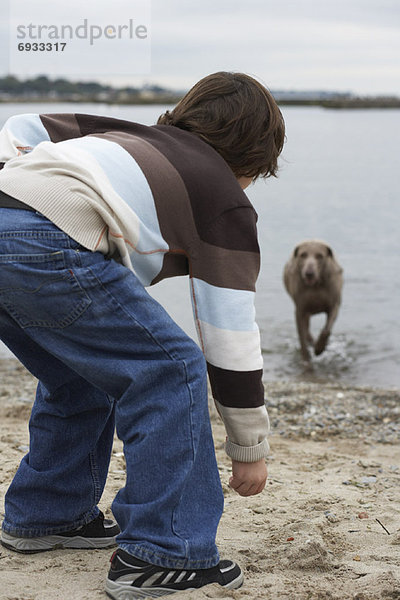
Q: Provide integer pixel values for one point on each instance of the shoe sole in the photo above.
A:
(121, 591)
(54, 542)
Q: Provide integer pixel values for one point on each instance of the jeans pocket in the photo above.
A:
(38, 291)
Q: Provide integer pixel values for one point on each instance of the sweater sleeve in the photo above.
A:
(223, 289)
(19, 135)
(22, 133)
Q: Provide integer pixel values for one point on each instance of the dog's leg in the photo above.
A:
(310, 339)
(323, 338)
(302, 321)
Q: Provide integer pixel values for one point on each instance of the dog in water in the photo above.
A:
(313, 278)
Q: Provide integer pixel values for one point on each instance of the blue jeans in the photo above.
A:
(105, 352)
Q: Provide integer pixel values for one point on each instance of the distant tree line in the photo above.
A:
(42, 88)
(43, 84)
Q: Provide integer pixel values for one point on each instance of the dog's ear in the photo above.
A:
(336, 268)
(296, 251)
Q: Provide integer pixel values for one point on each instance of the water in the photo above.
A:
(338, 182)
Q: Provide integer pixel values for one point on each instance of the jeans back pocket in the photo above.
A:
(37, 290)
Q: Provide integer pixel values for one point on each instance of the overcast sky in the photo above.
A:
(345, 45)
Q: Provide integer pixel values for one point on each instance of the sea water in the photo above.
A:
(338, 182)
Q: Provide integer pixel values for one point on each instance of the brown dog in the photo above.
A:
(314, 280)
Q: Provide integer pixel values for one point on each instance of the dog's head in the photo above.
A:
(311, 258)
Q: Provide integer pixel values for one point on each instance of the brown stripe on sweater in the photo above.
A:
(170, 196)
(61, 126)
(237, 389)
(91, 124)
(212, 188)
(235, 229)
(233, 269)
(223, 268)
(174, 265)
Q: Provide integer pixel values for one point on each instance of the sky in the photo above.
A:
(334, 45)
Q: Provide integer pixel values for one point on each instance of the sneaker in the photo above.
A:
(130, 578)
(99, 533)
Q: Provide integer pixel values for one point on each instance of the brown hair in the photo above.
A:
(238, 117)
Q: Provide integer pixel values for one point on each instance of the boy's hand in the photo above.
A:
(248, 479)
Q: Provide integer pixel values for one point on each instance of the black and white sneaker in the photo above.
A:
(130, 578)
(99, 533)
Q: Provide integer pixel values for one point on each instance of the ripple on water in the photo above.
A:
(340, 362)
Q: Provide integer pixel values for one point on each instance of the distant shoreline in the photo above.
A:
(337, 104)
(43, 89)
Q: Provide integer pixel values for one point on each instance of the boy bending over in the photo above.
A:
(92, 211)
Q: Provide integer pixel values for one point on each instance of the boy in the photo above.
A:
(92, 210)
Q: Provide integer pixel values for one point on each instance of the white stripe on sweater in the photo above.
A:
(244, 348)
(246, 427)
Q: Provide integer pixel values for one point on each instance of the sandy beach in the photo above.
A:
(327, 525)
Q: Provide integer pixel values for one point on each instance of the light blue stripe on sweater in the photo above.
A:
(28, 129)
(225, 308)
(130, 183)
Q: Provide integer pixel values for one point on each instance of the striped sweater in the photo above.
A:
(164, 203)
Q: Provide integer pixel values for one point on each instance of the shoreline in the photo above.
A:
(355, 103)
(297, 409)
(272, 386)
